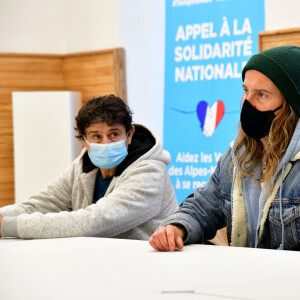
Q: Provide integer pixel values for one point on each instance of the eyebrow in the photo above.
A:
(110, 130)
(260, 90)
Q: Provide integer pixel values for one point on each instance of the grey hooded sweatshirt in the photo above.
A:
(138, 198)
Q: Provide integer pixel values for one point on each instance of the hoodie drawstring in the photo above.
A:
(281, 246)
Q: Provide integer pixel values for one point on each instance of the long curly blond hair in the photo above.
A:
(281, 131)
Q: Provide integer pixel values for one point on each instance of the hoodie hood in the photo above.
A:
(292, 149)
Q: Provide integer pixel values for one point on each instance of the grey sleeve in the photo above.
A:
(54, 198)
(135, 199)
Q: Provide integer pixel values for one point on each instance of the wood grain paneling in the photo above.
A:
(92, 73)
(96, 73)
(30, 63)
(21, 72)
(275, 38)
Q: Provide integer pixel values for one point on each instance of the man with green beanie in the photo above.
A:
(255, 190)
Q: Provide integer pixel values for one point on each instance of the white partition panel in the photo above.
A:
(44, 138)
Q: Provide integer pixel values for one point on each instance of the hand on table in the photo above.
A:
(167, 238)
(1, 217)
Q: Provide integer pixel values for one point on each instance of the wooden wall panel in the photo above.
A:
(92, 73)
(275, 38)
(96, 73)
(21, 72)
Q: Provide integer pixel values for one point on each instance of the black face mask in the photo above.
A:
(255, 123)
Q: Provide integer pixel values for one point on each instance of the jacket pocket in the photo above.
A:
(291, 218)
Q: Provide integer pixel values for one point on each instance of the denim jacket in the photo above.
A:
(221, 203)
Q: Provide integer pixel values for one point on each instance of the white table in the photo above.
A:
(96, 268)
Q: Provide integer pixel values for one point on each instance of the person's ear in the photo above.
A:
(129, 139)
(82, 140)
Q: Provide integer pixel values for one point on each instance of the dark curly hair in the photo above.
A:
(109, 109)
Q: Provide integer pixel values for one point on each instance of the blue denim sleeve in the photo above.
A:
(201, 214)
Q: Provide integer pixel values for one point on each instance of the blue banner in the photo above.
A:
(207, 44)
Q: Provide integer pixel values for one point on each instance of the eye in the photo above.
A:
(96, 138)
(262, 95)
(245, 91)
(114, 136)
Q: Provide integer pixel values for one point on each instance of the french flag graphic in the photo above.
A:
(210, 117)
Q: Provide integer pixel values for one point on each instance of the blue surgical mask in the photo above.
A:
(107, 156)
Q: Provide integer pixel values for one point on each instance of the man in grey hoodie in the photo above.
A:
(117, 187)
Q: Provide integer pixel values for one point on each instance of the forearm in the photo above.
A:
(110, 217)
(200, 214)
(51, 225)
(12, 210)
(193, 232)
(12, 213)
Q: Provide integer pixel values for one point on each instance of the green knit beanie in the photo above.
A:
(282, 66)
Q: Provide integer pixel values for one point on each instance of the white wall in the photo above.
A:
(31, 26)
(282, 14)
(91, 25)
(58, 26)
(143, 36)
